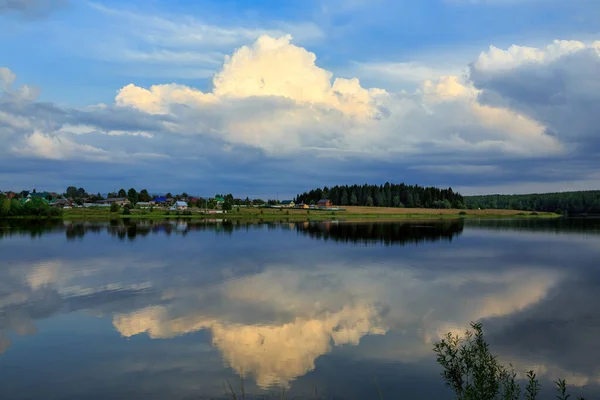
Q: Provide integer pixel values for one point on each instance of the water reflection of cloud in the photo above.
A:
(43, 274)
(33, 291)
(4, 342)
(312, 309)
(558, 336)
(19, 311)
(271, 317)
(273, 354)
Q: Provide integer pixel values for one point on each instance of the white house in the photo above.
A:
(179, 206)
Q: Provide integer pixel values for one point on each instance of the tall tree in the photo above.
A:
(132, 196)
(379, 202)
(144, 196)
(71, 192)
(344, 199)
(4, 205)
(122, 193)
(387, 194)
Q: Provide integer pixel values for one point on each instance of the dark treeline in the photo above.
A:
(388, 233)
(387, 195)
(567, 202)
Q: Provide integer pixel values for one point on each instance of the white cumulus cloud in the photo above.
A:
(52, 147)
(272, 98)
(273, 95)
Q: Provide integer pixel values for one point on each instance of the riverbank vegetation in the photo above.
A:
(582, 202)
(255, 213)
(389, 201)
(35, 207)
(469, 369)
(472, 372)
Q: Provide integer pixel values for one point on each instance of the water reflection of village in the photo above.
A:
(387, 233)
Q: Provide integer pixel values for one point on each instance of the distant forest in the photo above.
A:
(567, 202)
(388, 195)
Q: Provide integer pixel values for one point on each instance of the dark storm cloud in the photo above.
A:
(562, 93)
(115, 118)
(50, 116)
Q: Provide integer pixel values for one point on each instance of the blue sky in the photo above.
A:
(266, 97)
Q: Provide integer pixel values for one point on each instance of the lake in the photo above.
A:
(336, 310)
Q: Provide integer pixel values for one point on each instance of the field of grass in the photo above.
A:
(351, 213)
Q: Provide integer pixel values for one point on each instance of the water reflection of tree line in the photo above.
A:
(383, 232)
(388, 233)
(128, 229)
(587, 225)
(32, 228)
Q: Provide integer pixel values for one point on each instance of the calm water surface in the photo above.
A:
(175, 310)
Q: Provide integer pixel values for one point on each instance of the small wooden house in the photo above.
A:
(122, 201)
(287, 203)
(324, 203)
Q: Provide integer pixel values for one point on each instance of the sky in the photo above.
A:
(271, 98)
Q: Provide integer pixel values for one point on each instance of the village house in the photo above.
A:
(180, 206)
(41, 195)
(61, 202)
(122, 201)
(287, 203)
(324, 203)
(160, 201)
(302, 206)
(94, 205)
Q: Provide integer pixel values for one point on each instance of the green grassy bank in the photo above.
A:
(300, 215)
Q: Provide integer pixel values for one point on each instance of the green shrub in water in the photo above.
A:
(473, 372)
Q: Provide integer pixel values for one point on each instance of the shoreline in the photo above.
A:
(351, 214)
